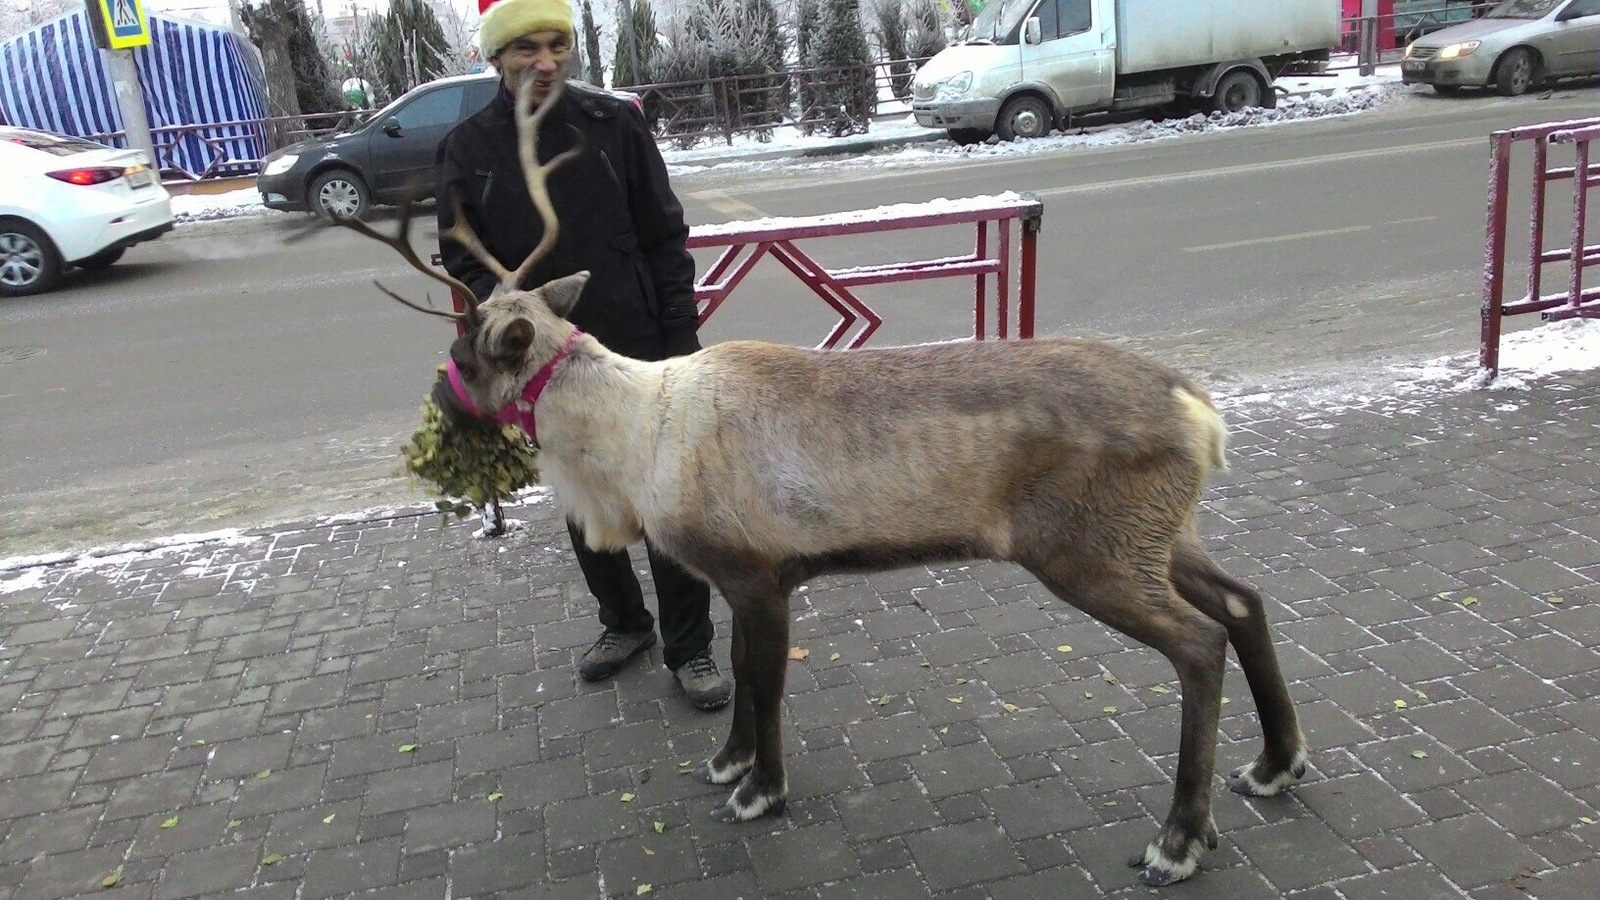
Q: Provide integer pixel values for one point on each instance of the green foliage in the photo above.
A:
(593, 69)
(282, 27)
(647, 45)
(408, 46)
(889, 27)
(925, 30)
(475, 464)
(840, 100)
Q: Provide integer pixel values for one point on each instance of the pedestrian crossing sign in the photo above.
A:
(126, 23)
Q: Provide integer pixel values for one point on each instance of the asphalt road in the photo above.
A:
(223, 378)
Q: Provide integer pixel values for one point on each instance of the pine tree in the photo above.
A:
(408, 46)
(594, 69)
(844, 95)
(647, 41)
(889, 27)
(298, 77)
(925, 31)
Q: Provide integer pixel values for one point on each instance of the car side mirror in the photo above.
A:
(1031, 32)
(391, 127)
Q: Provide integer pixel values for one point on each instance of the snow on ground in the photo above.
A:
(898, 141)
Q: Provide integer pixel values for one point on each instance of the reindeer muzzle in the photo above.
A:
(458, 403)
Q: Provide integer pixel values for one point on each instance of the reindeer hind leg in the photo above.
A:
(1239, 608)
(1139, 601)
(759, 672)
(738, 753)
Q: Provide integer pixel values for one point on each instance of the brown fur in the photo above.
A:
(758, 466)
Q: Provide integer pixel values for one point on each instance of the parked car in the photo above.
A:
(67, 202)
(1516, 45)
(383, 161)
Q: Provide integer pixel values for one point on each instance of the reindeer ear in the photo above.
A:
(562, 294)
(514, 339)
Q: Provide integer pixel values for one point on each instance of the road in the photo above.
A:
(223, 378)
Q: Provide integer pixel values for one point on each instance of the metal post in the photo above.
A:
(1030, 256)
(130, 102)
(1494, 251)
(1367, 44)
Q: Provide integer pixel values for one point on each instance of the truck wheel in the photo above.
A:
(1024, 117)
(968, 136)
(1237, 90)
(1514, 73)
(339, 193)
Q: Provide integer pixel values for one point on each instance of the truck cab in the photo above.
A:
(1024, 64)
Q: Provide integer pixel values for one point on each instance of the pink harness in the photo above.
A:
(519, 411)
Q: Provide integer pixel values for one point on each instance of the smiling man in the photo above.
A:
(620, 221)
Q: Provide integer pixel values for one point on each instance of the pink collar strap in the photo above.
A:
(519, 411)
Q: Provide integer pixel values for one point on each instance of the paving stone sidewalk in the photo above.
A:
(389, 706)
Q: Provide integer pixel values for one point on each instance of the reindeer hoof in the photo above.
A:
(1260, 780)
(731, 812)
(709, 772)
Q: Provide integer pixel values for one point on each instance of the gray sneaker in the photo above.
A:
(702, 683)
(609, 654)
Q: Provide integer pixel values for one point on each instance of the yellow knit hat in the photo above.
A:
(508, 20)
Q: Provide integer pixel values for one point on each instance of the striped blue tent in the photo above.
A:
(203, 87)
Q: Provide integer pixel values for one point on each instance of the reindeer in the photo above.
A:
(759, 466)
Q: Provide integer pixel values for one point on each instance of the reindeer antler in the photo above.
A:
(401, 242)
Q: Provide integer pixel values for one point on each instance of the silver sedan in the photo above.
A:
(1516, 45)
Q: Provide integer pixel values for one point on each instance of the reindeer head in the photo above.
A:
(516, 334)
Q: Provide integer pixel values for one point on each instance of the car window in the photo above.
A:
(437, 107)
(1584, 8)
(479, 93)
(1522, 9)
(54, 144)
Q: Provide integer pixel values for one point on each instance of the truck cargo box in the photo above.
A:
(1168, 34)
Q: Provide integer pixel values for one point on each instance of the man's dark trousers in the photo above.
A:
(683, 600)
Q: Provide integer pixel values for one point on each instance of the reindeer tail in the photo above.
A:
(1204, 428)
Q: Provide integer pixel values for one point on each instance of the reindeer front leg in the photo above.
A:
(760, 664)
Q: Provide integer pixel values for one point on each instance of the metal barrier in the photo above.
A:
(1574, 301)
(745, 243)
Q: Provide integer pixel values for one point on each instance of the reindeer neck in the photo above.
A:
(602, 408)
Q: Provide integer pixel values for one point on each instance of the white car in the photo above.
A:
(66, 202)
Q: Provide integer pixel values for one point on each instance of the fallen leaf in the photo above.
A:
(271, 859)
(884, 700)
(1558, 600)
(643, 889)
(1226, 701)
(1108, 709)
(961, 681)
(798, 653)
(955, 699)
(233, 823)
(945, 730)
(1064, 648)
(1160, 689)
(1419, 754)
(1421, 695)
(1088, 695)
(661, 827)
(408, 748)
(649, 852)
(1108, 678)
(1073, 755)
(1401, 704)
(328, 819)
(170, 823)
(264, 773)
(1469, 601)
(925, 665)
(686, 764)
(1010, 707)
(627, 798)
(1109, 803)
(1586, 820)
(495, 797)
(430, 676)
(112, 880)
(834, 657)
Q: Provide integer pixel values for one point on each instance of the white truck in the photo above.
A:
(1026, 66)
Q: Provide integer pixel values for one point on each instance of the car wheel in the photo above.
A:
(103, 259)
(1025, 117)
(968, 136)
(1515, 72)
(29, 262)
(1237, 90)
(339, 193)
(1447, 89)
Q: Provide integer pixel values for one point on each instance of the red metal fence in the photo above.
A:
(1573, 301)
(746, 243)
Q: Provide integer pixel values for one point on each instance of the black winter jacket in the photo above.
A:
(618, 218)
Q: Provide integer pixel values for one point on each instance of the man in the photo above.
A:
(621, 222)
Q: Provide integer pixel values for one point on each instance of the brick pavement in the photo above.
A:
(390, 706)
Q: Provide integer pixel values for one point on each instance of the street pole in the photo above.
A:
(130, 102)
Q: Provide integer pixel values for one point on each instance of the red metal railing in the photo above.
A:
(745, 243)
(1572, 302)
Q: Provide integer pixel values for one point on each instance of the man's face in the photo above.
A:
(544, 54)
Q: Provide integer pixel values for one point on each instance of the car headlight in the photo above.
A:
(1456, 51)
(280, 165)
(955, 86)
